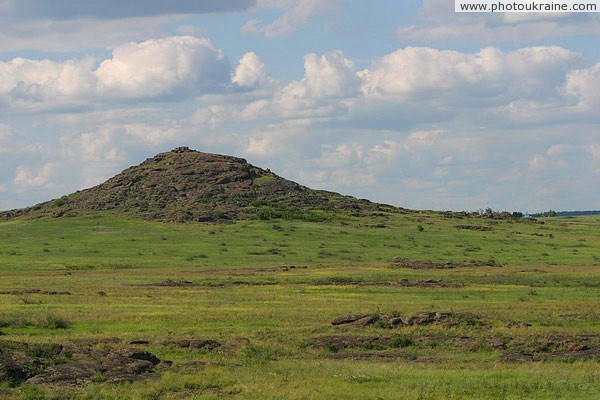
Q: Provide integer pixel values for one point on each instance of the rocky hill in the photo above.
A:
(187, 185)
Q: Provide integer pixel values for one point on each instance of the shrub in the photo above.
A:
(402, 341)
(55, 322)
(220, 214)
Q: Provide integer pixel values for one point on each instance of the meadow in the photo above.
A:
(517, 305)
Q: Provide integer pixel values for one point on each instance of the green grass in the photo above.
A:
(107, 262)
(107, 241)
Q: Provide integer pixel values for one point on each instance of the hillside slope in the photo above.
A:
(188, 185)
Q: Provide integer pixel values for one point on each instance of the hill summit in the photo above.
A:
(187, 185)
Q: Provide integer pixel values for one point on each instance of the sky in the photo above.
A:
(405, 103)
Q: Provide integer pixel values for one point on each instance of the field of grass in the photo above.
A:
(515, 289)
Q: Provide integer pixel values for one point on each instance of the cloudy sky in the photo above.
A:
(405, 103)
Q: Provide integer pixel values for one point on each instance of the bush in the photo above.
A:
(402, 341)
(264, 214)
(220, 214)
(55, 322)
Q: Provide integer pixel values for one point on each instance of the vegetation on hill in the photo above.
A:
(186, 185)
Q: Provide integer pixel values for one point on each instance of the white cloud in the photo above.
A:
(162, 67)
(251, 71)
(420, 85)
(424, 137)
(98, 145)
(174, 67)
(328, 79)
(489, 75)
(154, 135)
(577, 98)
(584, 86)
(296, 15)
(210, 116)
(251, 27)
(341, 155)
(331, 75)
(34, 177)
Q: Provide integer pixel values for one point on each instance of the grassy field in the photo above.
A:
(523, 300)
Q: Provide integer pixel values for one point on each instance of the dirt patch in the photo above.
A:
(417, 264)
(430, 283)
(399, 262)
(348, 319)
(236, 283)
(112, 366)
(581, 317)
(337, 343)
(35, 291)
(173, 283)
(515, 324)
(474, 227)
(237, 342)
(199, 344)
(380, 356)
(546, 235)
(75, 364)
(555, 348)
(536, 270)
(448, 319)
(279, 268)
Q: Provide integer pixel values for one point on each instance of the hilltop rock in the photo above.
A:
(187, 185)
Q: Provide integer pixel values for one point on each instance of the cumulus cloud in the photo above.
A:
(177, 67)
(416, 85)
(490, 74)
(577, 98)
(328, 79)
(162, 67)
(251, 71)
(440, 23)
(584, 86)
(331, 75)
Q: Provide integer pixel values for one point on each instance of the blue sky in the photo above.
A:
(405, 103)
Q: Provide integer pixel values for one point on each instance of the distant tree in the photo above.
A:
(550, 213)
(517, 214)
